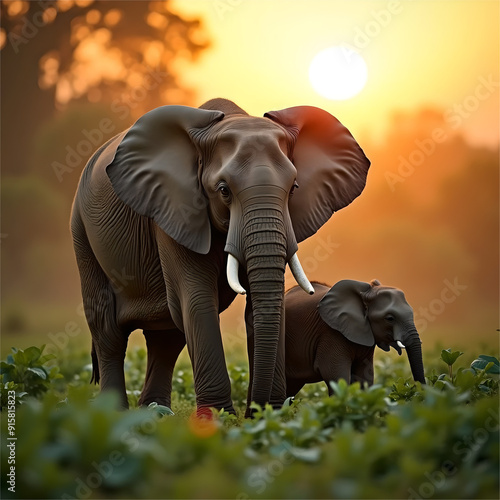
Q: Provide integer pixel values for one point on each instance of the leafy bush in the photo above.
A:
(25, 372)
(397, 439)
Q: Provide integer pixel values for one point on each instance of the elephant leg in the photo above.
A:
(193, 301)
(109, 340)
(335, 375)
(111, 357)
(332, 362)
(164, 347)
(362, 371)
(211, 380)
(198, 311)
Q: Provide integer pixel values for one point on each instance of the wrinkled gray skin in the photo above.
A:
(332, 334)
(157, 211)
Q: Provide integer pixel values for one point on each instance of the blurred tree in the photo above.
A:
(63, 145)
(34, 217)
(57, 51)
(419, 151)
(74, 73)
(469, 204)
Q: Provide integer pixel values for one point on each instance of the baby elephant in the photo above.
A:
(332, 334)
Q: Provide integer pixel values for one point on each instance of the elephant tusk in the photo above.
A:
(232, 274)
(400, 344)
(299, 275)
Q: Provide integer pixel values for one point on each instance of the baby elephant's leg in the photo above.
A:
(332, 362)
(362, 370)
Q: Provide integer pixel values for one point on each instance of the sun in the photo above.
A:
(338, 73)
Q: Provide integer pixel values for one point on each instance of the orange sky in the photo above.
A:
(419, 53)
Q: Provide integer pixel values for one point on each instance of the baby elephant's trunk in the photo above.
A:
(414, 352)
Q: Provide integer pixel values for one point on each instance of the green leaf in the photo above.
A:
(340, 388)
(32, 354)
(450, 357)
(129, 471)
(59, 452)
(131, 423)
(6, 367)
(160, 409)
(40, 372)
(258, 427)
(20, 358)
(46, 357)
(443, 384)
(311, 455)
(488, 363)
(465, 379)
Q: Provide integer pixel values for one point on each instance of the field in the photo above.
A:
(396, 439)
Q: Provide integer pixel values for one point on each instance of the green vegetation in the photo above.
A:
(25, 373)
(396, 439)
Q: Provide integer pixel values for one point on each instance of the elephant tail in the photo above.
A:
(95, 365)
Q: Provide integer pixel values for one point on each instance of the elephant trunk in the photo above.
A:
(414, 351)
(265, 251)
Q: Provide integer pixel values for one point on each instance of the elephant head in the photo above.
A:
(369, 313)
(265, 183)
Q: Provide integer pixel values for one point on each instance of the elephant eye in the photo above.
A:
(390, 318)
(294, 187)
(224, 191)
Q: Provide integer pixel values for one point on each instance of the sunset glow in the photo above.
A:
(406, 69)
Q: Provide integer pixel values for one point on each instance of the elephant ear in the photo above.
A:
(155, 172)
(342, 308)
(331, 167)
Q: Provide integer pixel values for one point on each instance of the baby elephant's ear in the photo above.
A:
(343, 309)
(155, 172)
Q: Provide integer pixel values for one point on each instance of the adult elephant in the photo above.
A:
(333, 334)
(165, 207)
